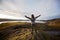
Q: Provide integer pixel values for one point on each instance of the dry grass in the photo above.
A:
(10, 24)
(24, 34)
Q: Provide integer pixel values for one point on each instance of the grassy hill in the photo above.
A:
(22, 30)
(17, 30)
(54, 22)
(11, 24)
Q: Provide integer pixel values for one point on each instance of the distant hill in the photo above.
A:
(54, 22)
(3, 19)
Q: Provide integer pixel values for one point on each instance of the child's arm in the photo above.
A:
(27, 17)
(38, 16)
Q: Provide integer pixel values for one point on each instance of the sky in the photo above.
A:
(17, 9)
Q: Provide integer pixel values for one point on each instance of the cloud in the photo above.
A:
(10, 8)
(7, 16)
(0, 1)
(19, 8)
(46, 8)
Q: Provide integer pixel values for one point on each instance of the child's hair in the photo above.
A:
(32, 15)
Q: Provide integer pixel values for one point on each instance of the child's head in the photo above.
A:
(32, 16)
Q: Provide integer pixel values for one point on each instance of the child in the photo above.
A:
(33, 22)
(33, 18)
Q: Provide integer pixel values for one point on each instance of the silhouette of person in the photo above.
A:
(32, 18)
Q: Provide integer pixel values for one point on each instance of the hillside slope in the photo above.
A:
(54, 22)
